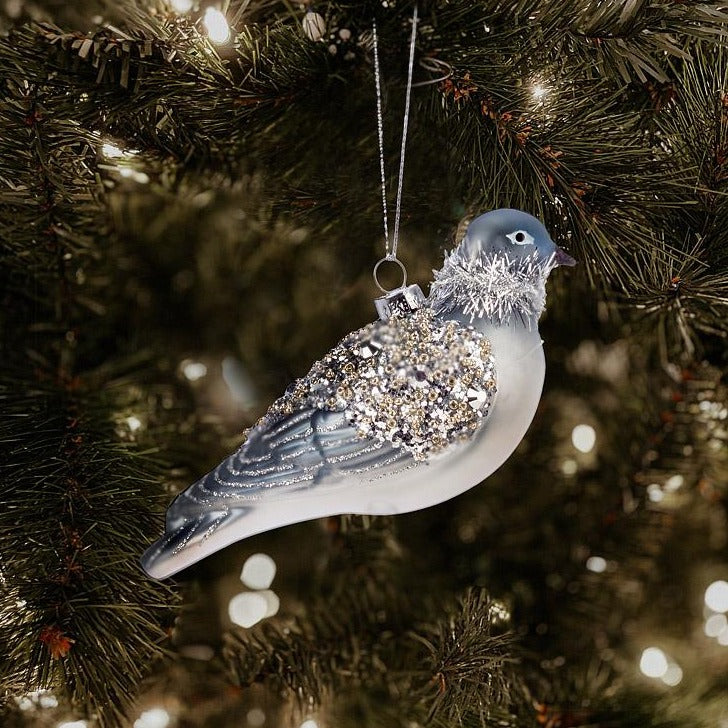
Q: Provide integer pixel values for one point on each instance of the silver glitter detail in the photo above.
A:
(415, 381)
(389, 473)
(185, 540)
(238, 492)
(495, 287)
(297, 453)
(296, 436)
(250, 460)
(357, 453)
(287, 425)
(253, 473)
(231, 483)
(213, 526)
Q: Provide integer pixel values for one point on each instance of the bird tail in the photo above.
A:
(189, 539)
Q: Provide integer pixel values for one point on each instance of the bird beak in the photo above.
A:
(561, 257)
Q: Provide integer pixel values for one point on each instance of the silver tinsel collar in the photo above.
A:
(495, 287)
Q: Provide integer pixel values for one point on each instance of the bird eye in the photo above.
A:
(520, 237)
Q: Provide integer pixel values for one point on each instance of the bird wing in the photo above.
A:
(306, 449)
(290, 454)
(393, 392)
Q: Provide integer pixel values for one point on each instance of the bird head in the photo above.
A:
(498, 272)
(514, 235)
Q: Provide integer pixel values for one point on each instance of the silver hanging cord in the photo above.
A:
(380, 132)
(391, 252)
(405, 124)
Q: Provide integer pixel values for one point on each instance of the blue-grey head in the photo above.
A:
(498, 272)
(514, 234)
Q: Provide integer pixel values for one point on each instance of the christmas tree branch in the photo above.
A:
(456, 670)
(576, 153)
(80, 617)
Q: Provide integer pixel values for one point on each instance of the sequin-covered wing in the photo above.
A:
(298, 451)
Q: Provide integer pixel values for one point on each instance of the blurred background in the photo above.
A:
(189, 216)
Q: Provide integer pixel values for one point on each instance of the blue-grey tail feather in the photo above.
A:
(182, 530)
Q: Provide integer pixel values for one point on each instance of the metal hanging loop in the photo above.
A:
(375, 273)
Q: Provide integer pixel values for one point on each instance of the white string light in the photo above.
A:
(673, 675)
(247, 609)
(654, 492)
(656, 664)
(182, 6)
(218, 30)
(538, 92)
(41, 698)
(133, 423)
(653, 662)
(674, 482)
(258, 571)
(132, 174)
(112, 151)
(716, 596)
(273, 603)
(255, 717)
(153, 718)
(715, 624)
(583, 437)
(597, 564)
(194, 370)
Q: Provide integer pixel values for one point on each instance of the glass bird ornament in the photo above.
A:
(409, 411)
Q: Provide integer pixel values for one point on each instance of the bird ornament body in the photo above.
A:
(402, 414)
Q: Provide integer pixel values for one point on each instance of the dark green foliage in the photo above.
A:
(239, 217)
(458, 670)
(76, 615)
(77, 501)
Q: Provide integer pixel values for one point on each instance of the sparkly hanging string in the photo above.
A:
(391, 251)
(380, 133)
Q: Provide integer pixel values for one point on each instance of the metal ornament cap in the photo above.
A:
(399, 302)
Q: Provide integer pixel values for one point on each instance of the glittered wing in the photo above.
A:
(308, 449)
(296, 452)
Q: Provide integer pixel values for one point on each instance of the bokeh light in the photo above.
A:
(258, 571)
(597, 564)
(255, 717)
(653, 662)
(247, 609)
(584, 438)
(715, 624)
(716, 596)
(153, 718)
(194, 370)
(218, 30)
(673, 675)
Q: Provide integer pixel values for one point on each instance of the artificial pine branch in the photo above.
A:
(581, 156)
(614, 156)
(79, 616)
(455, 670)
